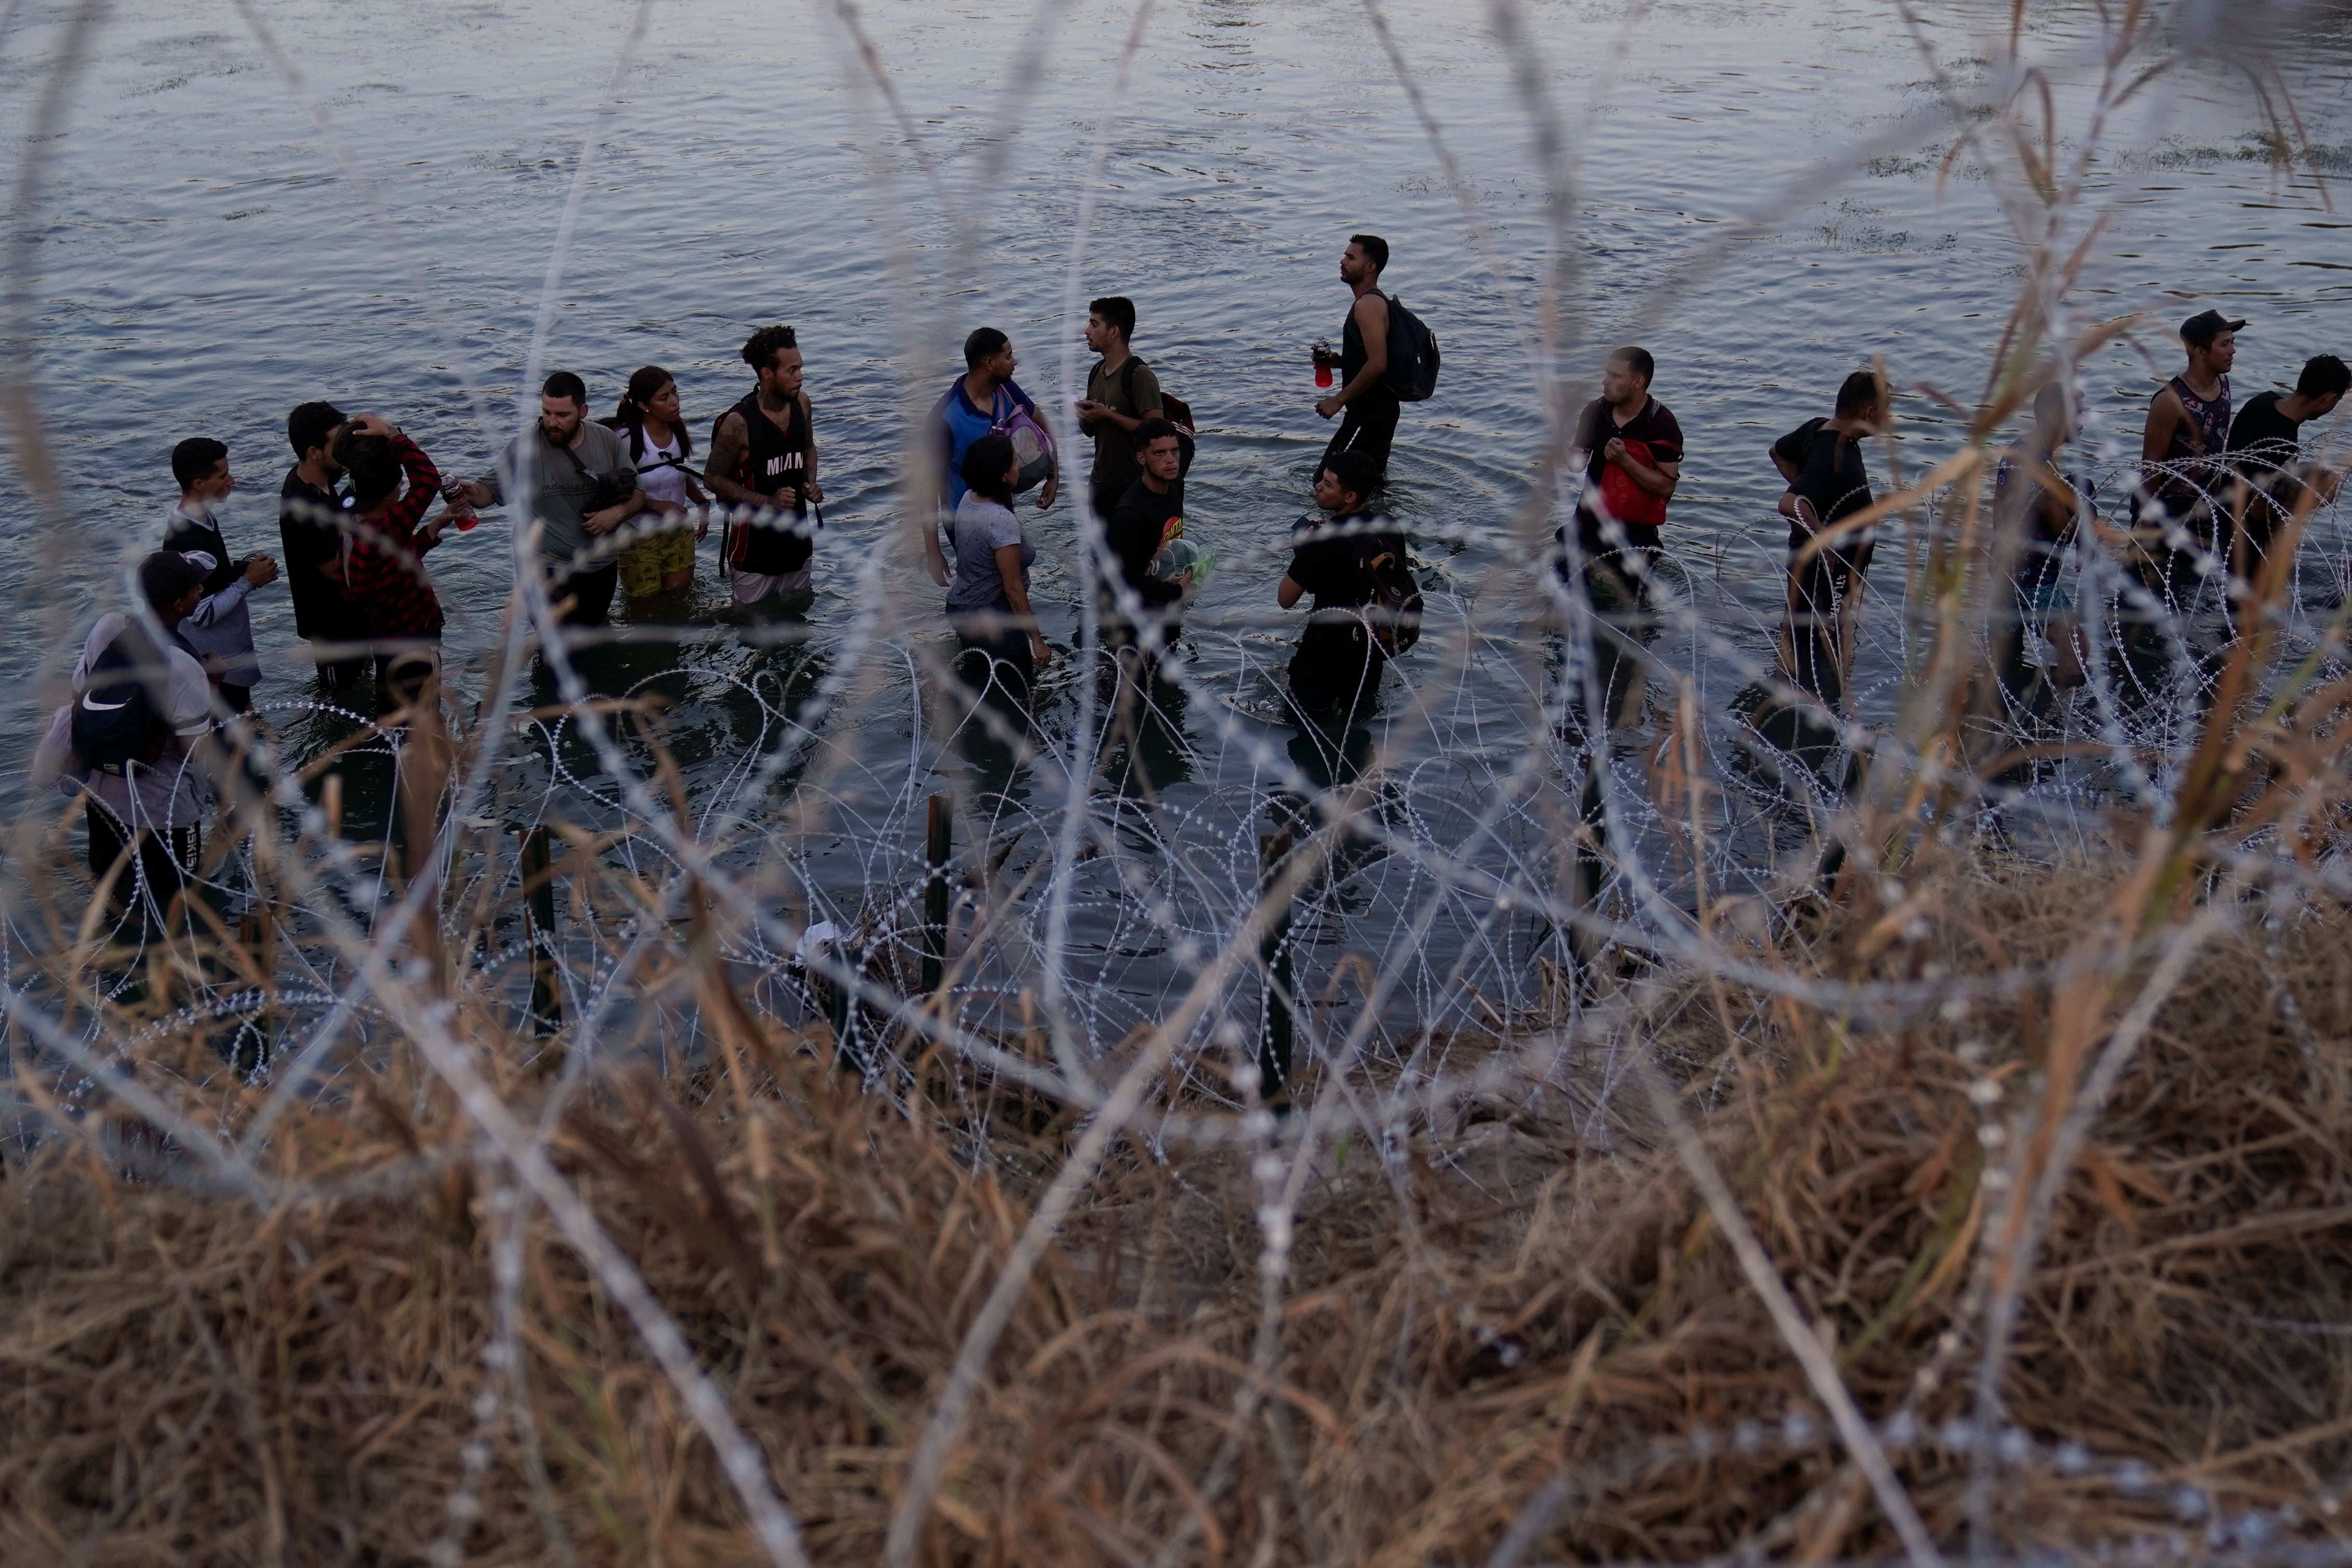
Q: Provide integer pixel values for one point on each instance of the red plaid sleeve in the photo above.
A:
(381, 572)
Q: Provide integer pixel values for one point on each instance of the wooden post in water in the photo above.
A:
(938, 846)
(1274, 951)
(539, 930)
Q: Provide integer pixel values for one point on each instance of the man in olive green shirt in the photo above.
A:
(1121, 393)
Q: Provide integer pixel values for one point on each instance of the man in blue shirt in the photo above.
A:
(979, 400)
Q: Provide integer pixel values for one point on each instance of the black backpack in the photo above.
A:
(1177, 410)
(1413, 353)
(117, 720)
(1393, 595)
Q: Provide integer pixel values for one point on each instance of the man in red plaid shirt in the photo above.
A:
(383, 575)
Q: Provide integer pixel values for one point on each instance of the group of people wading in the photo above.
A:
(2221, 491)
(619, 508)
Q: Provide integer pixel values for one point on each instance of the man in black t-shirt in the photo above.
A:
(308, 505)
(1632, 451)
(1822, 461)
(2267, 447)
(1149, 518)
(1336, 673)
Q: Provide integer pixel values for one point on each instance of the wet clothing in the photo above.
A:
(661, 469)
(1131, 390)
(222, 622)
(308, 530)
(170, 792)
(980, 528)
(1655, 427)
(2192, 458)
(2040, 555)
(1140, 524)
(1832, 481)
(1337, 670)
(1368, 421)
(2267, 446)
(564, 481)
(963, 422)
(775, 457)
(383, 571)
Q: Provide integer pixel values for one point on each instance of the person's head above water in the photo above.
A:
(562, 404)
(1158, 451)
(1344, 482)
(1113, 315)
(1365, 257)
(774, 355)
(200, 466)
(990, 470)
(989, 352)
(2211, 339)
(2325, 381)
(310, 431)
(1862, 396)
(172, 584)
(1625, 380)
(373, 468)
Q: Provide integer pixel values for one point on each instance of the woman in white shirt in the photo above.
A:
(660, 445)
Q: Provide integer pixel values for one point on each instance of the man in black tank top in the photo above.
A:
(1371, 407)
(763, 461)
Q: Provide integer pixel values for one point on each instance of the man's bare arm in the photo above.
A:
(727, 445)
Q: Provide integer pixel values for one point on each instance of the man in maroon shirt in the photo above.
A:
(394, 483)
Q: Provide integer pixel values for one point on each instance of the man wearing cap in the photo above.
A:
(155, 809)
(2188, 431)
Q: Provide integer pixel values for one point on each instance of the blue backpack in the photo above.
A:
(1413, 353)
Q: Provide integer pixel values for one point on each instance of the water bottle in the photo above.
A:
(1322, 362)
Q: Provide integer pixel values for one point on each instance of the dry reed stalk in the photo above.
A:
(194, 1379)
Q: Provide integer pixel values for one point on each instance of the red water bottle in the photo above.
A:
(461, 510)
(1322, 362)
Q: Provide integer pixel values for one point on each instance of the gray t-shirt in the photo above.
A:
(980, 528)
(175, 792)
(560, 491)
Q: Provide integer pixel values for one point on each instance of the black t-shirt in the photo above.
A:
(1337, 658)
(1830, 477)
(1594, 429)
(1139, 526)
(312, 542)
(2265, 433)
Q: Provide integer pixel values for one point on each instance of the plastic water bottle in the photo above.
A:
(1322, 362)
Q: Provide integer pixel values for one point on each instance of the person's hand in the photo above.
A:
(702, 527)
(260, 571)
(1038, 651)
(813, 490)
(369, 425)
(1090, 411)
(1614, 452)
(604, 522)
(1053, 488)
(785, 495)
(431, 532)
(1327, 407)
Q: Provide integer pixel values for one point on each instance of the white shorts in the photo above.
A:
(751, 586)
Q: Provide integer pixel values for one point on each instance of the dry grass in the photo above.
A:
(1508, 1295)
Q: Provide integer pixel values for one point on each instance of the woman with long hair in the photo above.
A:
(659, 445)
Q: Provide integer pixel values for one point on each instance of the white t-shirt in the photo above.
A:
(660, 474)
(174, 793)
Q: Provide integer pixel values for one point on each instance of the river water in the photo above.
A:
(1762, 192)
